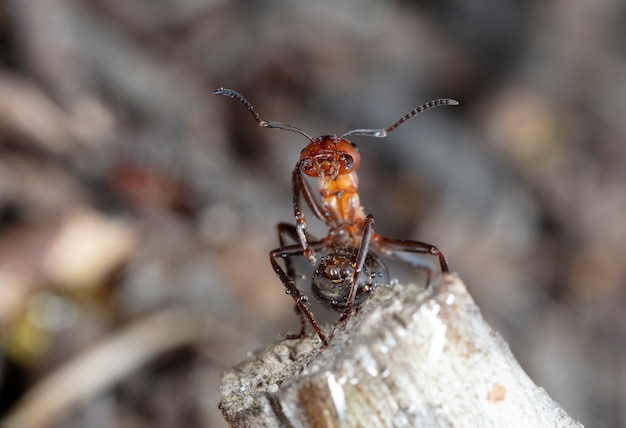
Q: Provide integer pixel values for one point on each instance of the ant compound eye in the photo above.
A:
(339, 270)
(350, 157)
(346, 162)
(332, 273)
(347, 271)
(307, 167)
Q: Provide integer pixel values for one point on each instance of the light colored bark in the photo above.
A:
(408, 358)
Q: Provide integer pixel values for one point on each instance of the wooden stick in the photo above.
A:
(409, 357)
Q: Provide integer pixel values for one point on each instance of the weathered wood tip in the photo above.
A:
(408, 357)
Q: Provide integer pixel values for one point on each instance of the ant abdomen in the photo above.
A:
(333, 276)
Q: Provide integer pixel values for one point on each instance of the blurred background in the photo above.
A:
(137, 210)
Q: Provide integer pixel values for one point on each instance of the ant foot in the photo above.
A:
(293, 336)
(309, 253)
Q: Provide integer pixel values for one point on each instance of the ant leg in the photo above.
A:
(289, 231)
(310, 200)
(389, 245)
(302, 332)
(394, 247)
(358, 265)
(289, 283)
(302, 188)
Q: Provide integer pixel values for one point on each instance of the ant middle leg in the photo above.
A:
(286, 230)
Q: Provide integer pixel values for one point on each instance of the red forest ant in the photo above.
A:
(348, 270)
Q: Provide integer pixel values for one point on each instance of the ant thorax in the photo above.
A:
(341, 201)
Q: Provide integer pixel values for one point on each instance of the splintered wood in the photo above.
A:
(408, 358)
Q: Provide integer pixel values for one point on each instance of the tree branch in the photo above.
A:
(409, 357)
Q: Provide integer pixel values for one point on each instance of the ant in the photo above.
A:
(348, 270)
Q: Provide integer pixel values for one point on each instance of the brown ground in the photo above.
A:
(127, 189)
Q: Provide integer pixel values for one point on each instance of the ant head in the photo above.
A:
(331, 282)
(328, 157)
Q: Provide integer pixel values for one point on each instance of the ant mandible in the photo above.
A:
(348, 269)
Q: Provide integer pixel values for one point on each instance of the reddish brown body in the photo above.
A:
(333, 161)
(341, 199)
(347, 269)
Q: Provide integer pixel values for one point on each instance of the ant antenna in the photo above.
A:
(384, 132)
(264, 123)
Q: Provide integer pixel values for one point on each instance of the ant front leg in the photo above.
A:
(368, 230)
(289, 283)
(394, 247)
(300, 188)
